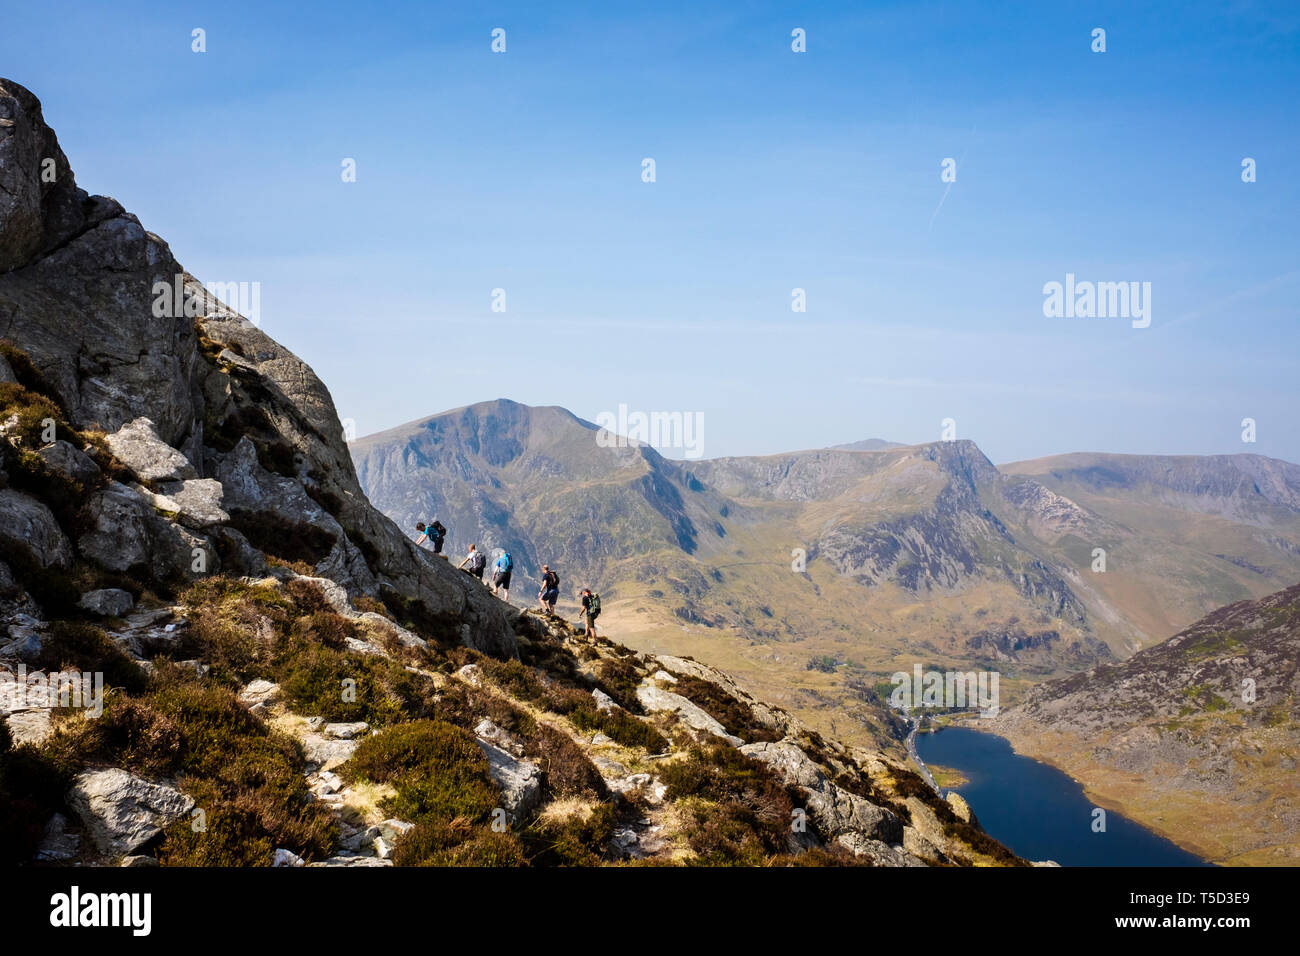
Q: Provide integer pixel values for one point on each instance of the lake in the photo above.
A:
(1037, 810)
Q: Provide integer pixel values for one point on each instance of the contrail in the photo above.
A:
(934, 215)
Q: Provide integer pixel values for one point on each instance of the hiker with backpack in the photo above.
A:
(501, 575)
(549, 592)
(476, 560)
(590, 610)
(434, 532)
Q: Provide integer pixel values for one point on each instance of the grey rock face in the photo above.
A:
(128, 533)
(69, 461)
(23, 644)
(835, 810)
(656, 699)
(196, 502)
(29, 526)
(35, 213)
(107, 602)
(346, 731)
(138, 446)
(520, 782)
(122, 812)
(85, 290)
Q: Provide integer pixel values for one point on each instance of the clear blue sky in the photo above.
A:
(775, 170)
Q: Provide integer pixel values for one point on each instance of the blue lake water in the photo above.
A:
(1038, 811)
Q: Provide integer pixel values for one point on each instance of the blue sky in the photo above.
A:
(775, 170)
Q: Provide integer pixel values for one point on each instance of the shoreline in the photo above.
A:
(1106, 803)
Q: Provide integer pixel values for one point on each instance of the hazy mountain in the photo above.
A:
(925, 551)
(1197, 737)
(1183, 535)
(535, 482)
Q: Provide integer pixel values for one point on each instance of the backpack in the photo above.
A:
(594, 608)
(504, 562)
(435, 530)
(477, 562)
(552, 581)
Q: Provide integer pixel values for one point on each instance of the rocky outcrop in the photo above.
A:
(29, 527)
(835, 810)
(65, 459)
(519, 781)
(123, 813)
(126, 533)
(657, 700)
(137, 445)
(107, 602)
(190, 395)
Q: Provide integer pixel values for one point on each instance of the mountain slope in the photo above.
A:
(535, 482)
(1196, 737)
(1183, 535)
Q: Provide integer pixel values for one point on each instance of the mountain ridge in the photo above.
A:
(1197, 736)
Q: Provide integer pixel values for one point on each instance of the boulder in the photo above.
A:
(326, 753)
(29, 527)
(64, 458)
(348, 731)
(604, 703)
(122, 812)
(107, 602)
(835, 810)
(655, 699)
(961, 807)
(237, 555)
(487, 730)
(519, 781)
(765, 715)
(880, 853)
(138, 446)
(196, 502)
(921, 848)
(24, 644)
(260, 692)
(127, 533)
(33, 726)
(347, 860)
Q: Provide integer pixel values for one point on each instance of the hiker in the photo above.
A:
(549, 592)
(434, 532)
(501, 575)
(590, 610)
(476, 560)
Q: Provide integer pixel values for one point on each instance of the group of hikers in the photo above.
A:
(548, 591)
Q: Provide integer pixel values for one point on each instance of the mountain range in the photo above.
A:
(815, 574)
